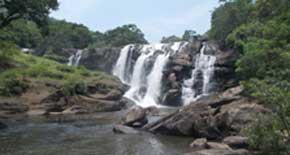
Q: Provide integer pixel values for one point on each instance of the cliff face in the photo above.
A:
(201, 61)
(102, 59)
(182, 65)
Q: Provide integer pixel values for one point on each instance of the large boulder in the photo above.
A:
(212, 117)
(135, 117)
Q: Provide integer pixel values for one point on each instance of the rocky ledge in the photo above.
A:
(216, 122)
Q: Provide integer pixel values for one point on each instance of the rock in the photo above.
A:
(199, 143)
(12, 107)
(135, 115)
(220, 152)
(102, 59)
(237, 115)
(2, 126)
(124, 130)
(172, 98)
(236, 141)
(213, 117)
(217, 146)
(152, 111)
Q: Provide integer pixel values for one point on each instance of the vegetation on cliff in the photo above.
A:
(260, 31)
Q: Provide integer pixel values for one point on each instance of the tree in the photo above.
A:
(188, 35)
(35, 10)
(126, 34)
(23, 33)
(229, 16)
(170, 39)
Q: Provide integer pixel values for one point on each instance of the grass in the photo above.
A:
(39, 69)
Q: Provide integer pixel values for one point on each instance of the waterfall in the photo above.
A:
(120, 68)
(154, 81)
(75, 58)
(148, 66)
(204, 64)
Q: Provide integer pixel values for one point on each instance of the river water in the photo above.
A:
(94, 136)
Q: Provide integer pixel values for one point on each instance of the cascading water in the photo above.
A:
(204, 64)
(147, 73)
(120, 68)
(75, 58)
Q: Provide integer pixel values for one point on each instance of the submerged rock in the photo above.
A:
(220, 152)
(124, 130)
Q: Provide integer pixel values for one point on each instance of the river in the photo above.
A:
(90, 135)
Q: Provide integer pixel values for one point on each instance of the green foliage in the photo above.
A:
(7, 51)
(22, 32)
(264, 65)
(62, 34)
(35, 10)
(229, 16)
(188, 35)
(271, 135)
(120, 36)
(126, 34)
(74, 87)
(170, 39)
(11, 83)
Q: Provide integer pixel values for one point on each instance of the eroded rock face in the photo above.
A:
(211, 117)
(12, 107)
(98, 98)
(102, 59)
(180, 68)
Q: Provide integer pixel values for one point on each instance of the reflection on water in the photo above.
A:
(84, 138)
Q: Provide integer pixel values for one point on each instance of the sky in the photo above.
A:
(156, 18)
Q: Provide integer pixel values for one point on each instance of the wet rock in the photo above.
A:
(236, 141)
(220, 152)
(135, 117)
(2, 126)
(199, 143)
(152, 111)
(212, 117)
(172, 98)
(121, 129)
(217, 146)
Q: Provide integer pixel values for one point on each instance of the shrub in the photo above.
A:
(74, 87)
(12, 86)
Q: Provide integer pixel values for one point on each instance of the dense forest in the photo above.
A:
(259, 30)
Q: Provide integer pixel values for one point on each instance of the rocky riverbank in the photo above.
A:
(216, 123)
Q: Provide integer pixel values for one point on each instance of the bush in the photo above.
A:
(74, 87)
(271, 135)
(7, 51)
(12, 86)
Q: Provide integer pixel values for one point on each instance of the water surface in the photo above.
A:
(42, 136)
